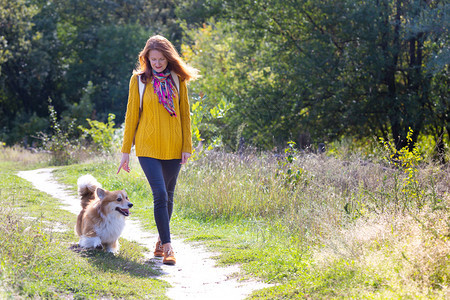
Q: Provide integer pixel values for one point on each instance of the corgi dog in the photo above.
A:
(102, 216)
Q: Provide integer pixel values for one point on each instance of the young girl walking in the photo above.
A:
(160, 127)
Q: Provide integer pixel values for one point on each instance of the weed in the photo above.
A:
(59, 142)
(102, 134)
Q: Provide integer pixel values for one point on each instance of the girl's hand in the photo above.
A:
(124, 163)
(184, 157)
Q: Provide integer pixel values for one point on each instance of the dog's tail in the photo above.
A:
(87, 185)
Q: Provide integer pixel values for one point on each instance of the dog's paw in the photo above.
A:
(113, 250)
(90, 242)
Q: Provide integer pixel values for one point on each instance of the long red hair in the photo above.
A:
(175, 62)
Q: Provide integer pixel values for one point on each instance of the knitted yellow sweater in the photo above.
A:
(158, 135)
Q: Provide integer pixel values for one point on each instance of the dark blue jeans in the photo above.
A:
(162, 176)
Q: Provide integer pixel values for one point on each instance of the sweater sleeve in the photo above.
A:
(132, 115)
(185, 115)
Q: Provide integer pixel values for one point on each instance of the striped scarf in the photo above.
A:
(164, 87)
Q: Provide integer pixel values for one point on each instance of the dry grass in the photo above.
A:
(32, 158)
(387, 223)
(23, 156)
(368, 230)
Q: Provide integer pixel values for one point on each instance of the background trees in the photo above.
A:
(71, 50)
(273, 71)
(336, 68)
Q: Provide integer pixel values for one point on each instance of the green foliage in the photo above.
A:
(331, 71)
(407, 160)
(218, 83)
(26, 126)
(16, 38)
(285, 69)
(93, 62)
(80, 111)
(59, 142)
(197, 12)
(15, 28)
(205, 122)
(102, 134)
(55, 48)
(288, 171)
(196, 119)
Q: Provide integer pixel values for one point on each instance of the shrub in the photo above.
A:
(102, 134)
(59, 143)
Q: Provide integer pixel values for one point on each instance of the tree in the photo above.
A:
(15, 44)
(338, 69)
(101, 42)
(53, 49)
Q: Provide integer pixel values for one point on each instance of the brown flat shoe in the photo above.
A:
(169, 258)
(159, 252)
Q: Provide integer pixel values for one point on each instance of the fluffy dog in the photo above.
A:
(102, 217)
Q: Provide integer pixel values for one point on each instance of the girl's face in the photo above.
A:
(157, 61)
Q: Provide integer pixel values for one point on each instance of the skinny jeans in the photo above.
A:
(162, 177)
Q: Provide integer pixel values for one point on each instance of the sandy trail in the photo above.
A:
(195, 275)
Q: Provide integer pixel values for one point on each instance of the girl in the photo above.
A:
(161, 129)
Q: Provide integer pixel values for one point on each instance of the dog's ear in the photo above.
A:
(101, 193)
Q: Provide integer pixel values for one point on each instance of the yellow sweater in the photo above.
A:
(158, 135)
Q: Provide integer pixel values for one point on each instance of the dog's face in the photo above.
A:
(114, 202)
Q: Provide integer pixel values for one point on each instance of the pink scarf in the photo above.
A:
(164, 87)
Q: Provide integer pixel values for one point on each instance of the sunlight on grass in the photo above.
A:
(316, 214)
(38, 259)
(315, 226)
(23, 158)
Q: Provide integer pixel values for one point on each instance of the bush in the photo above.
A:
(59, 143)
(102, 134)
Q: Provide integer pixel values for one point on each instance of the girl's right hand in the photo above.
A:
(124, 163)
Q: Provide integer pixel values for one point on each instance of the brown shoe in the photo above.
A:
(159, 252)
(169, 258)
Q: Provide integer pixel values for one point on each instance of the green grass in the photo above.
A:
(314, 233)
(38, 259)
(314, 227)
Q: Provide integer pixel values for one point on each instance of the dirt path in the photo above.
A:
(195, 275)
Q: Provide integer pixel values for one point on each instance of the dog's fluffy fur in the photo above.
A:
(102, 217)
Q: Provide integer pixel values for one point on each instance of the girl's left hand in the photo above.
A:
(184, 157)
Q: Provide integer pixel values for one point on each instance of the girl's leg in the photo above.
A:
(171, 169)
(154, 172)
(162, 176)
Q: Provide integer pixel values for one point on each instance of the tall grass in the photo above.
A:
(317, 225)
(306, 191)
(23, 157)
(392, 218)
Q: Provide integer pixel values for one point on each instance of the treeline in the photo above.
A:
(272, 71)
(78, 53)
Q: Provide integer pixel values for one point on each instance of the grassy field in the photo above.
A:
(321, 227)
(38, 259)
(317, 227)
